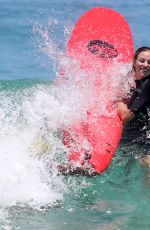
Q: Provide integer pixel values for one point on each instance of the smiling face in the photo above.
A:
(142, 65)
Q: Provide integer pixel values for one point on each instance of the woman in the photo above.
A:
(136, 113)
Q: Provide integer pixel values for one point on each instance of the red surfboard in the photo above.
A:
(100, 39)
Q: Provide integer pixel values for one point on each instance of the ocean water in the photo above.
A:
(34, 109)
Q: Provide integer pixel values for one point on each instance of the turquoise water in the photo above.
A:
(33, 38)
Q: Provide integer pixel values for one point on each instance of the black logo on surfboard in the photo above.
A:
(102, 49)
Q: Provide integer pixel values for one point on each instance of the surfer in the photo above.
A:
(135, 113)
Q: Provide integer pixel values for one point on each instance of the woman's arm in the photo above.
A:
(124, 113)
(141, 97)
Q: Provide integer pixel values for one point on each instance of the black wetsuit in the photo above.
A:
(136, 133)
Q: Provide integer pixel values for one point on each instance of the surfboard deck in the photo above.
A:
(101, 37)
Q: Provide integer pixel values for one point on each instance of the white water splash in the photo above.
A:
(28, 115)
(24, 178)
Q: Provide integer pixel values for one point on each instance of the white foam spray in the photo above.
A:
(32, 119)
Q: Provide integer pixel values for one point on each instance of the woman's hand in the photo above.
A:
(124, 113)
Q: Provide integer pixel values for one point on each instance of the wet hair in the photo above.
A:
(139, 50)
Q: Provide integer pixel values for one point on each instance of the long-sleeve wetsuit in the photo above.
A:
(137, 131)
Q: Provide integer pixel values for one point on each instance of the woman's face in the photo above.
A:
(142, 65)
